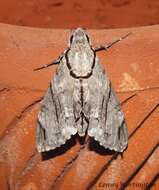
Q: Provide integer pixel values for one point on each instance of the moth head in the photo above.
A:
(79, 36)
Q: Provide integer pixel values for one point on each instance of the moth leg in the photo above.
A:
(107, 46)
(55, 62)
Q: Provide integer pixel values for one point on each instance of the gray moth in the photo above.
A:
(80, 99)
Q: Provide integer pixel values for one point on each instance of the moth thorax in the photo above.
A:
(81, 62)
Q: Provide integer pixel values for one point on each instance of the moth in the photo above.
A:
(80, 99)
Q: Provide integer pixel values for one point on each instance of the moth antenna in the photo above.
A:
(55, 62)
(48, 65)
(107, 46)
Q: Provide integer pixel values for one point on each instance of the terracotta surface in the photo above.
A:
(73, 13)
(132, 66)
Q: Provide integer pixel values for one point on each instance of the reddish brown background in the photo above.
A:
(74, 13)
(132, 65)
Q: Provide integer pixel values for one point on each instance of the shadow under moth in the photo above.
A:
(80, 99)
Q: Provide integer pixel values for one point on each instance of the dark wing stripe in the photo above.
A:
(120, 128)
(54, 102)
(42, 130)
(106, 112)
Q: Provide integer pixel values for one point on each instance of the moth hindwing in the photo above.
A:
(80, 98)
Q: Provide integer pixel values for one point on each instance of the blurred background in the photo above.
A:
(74, 13)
